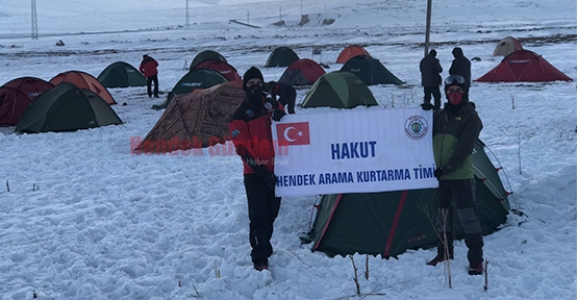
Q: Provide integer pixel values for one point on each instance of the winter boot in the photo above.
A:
(476, 268)
(441, 251)
(262, 265)
(438, 259)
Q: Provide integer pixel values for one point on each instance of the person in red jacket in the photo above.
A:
(250, 131)
(148, 67)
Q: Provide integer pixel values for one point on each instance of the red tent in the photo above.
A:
(84, 81)
(16, 95)
(222, 67)
(350, 52)
(523, 65)
(302, 72)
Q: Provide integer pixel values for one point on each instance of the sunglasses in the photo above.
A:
(454, 79)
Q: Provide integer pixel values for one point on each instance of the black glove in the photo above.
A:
(277, 115)
(427, 106)
(270, 180)
(438, 173)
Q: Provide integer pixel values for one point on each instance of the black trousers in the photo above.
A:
(461, 194)
(428, 91)
(150, 80)
(263, 210)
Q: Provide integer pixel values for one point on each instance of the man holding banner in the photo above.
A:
(250, 131)
(456, 130)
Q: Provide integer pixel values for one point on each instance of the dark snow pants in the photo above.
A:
(461, 194)
(428, 91)
(150, 80)
(263, 210)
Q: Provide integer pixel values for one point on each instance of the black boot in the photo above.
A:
(441, 256)
(476, 268)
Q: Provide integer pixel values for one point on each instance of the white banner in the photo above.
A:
(354, 151)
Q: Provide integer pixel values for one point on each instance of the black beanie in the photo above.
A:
(250, 74)
(433, 53)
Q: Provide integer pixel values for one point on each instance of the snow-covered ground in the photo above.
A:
(106, 224)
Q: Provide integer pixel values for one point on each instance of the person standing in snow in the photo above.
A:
(286, 92)
(148, 67)
(456, 129)
(462, 66)
(250, 131)
(430, 79)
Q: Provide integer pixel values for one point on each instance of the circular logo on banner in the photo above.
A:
(268, 106)
(416, 127)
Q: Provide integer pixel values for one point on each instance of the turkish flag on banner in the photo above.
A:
(293, 134)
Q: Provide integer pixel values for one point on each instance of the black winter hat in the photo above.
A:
(253, 72)
(458, 52)
(433, 53)
(459, 81)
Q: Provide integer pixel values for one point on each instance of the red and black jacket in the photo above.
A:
(250, 131)
(148, 67)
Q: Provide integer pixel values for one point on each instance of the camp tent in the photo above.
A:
(389, 223)
(350, 52)
(523, 65)
(222, 67)
(194, 79)
(206, 55)
(16, 95)
(194, 120)
(120, 75)
(67, 108)
(338, 90)
(84, 81)
(506, 46)
(370, 70)
(281, 57)
(302, 72)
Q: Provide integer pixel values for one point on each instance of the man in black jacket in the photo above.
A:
(430, 79)
(462, 66)
(286, 92)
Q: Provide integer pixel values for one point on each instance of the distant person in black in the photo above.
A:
(286, 93)
(431, 79)
(462, 66)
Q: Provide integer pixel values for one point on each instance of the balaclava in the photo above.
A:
(455, 99)
(255, 93)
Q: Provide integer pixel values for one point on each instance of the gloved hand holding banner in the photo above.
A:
(354, 151)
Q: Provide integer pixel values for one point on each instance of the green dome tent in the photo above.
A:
(67, 108)
(389, 223)
(370, 70)
(195, 79)
(281, 57)
(338, 90)
(121, 74)
(206, 55)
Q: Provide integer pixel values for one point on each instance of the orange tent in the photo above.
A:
(350, 52)
(84, 81)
